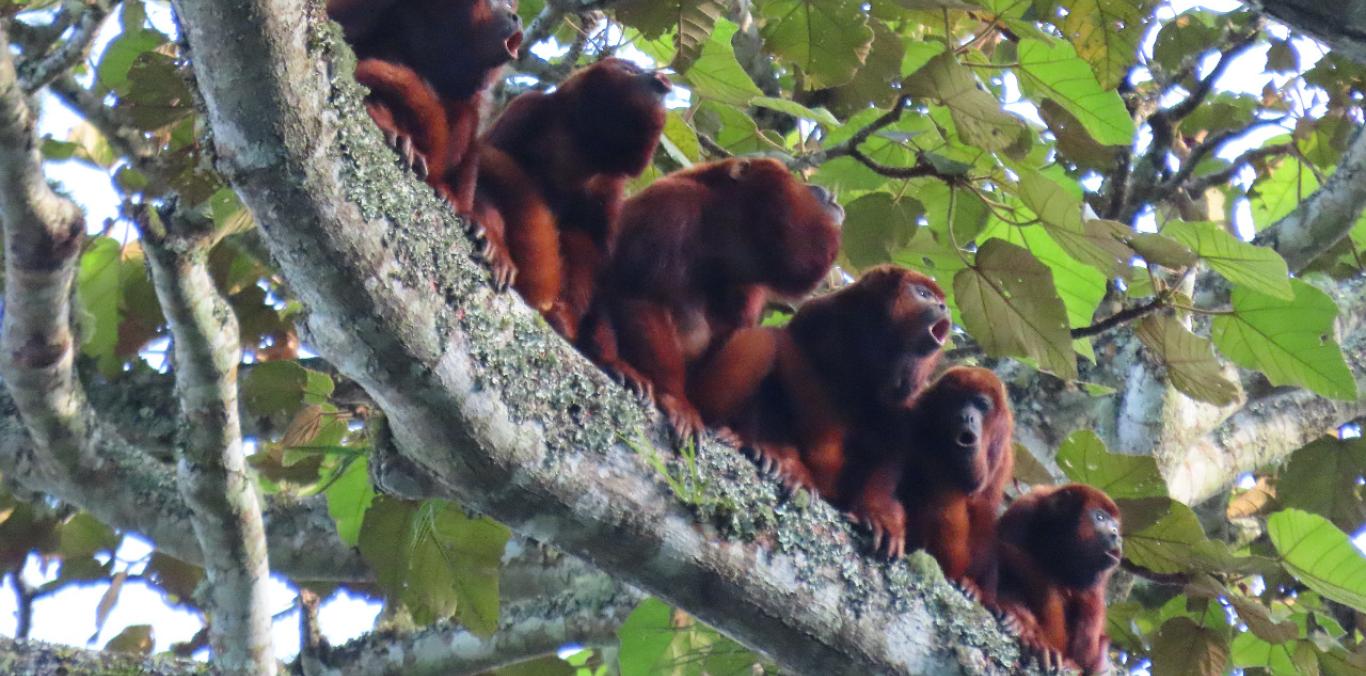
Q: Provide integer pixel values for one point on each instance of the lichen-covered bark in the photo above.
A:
(37, 657)
(212, 469)
(506, 417)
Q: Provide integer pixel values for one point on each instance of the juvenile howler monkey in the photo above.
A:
(937, 481)
(803, 396)
(1057, 546)
(427, 64)
(699, 254)
(552, 173)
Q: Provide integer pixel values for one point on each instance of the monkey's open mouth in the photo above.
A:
(940, 331)
(513, 43)
(1115, 555)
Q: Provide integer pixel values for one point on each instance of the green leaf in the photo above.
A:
(99, 293)
(1055, 72)
(1291, 341)
(977, 115)
(645, 637)
(384, 541)
(1084, 459)
(1191, 364)
(1256, 267)
(1320, 555)
(135, 638)
(1321, 478)
(1081, 287)
(1250, 650)
(348, 498)
(83, 535)
(281, 386)
(1160, 534)
(1184, 647)
(1009, 304)
(716, 75)
(1162, 250)
(827, 39)
(1095, 242)
(1288, 185)
(691, 21)
(876, 225)
(134, 41)
(472, 548)
(156, 93)
(680, 141)
(1182, 38)
(796, 110)
(1106, 33)
(1074, 142)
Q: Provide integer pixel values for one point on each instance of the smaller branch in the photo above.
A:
(122, 136)
(24, 596)
(711, 146)
(36, 72)
(1198, 186)
(213, 477)
(543, 26)
(38, 657)
(1206, 85)
(1200, 152)
(1119, 318)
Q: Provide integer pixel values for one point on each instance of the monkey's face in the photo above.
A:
(504, 26)
(957, 421)
(826, 199)
(917, 325)
(1086, 530)
(622, 83)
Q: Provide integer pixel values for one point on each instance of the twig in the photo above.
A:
(1200, 152)
(1203, 183)
(711, 146)
(36, 72)
(23, 596)
(1206, 85)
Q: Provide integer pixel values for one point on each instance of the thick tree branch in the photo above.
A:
(37, 657)
(212, 468)
(302, 536)
(506, 417)
(43, 235)
(574, 604)
(1327, 216)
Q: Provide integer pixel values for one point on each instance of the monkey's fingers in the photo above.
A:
(898, 550)
(419, 164)
(727, 436)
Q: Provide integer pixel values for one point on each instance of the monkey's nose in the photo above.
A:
(822, 195)
(662, 83)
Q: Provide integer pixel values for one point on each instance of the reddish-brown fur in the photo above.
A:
(847, 364)
(1057, 547)
(700, 252)
(554, 167)
(427, 64)
(937, 483)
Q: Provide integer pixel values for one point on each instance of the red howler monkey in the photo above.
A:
(699, 253)
(552, 173)
(848, 362)
(427, 63)
(937, 482)
(1057, 546)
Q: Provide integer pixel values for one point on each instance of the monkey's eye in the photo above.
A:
(1100, 516)
(922, 292)
(981, 402)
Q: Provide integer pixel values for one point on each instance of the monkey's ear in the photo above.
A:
(738, 168)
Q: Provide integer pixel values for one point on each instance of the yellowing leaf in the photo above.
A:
(1190, 361)
(1105, 33)
(1009, 304)
(1291, 341)
(691, 21)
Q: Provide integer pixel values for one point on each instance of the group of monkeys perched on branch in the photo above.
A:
(664, 290)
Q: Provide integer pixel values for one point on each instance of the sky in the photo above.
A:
(69, 616)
